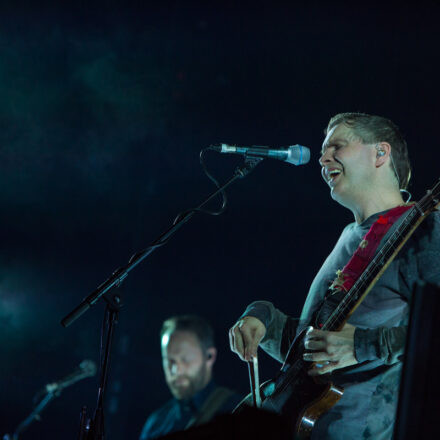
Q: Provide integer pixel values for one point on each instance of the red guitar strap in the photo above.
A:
(366, 249)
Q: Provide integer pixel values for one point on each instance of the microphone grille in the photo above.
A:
(298, 155)
(88, 367)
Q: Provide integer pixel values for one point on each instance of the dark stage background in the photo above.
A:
(104, 110)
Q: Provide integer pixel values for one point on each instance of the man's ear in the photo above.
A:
(383, 152)
(211, 356)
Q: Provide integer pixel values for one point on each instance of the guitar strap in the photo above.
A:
(358, 262)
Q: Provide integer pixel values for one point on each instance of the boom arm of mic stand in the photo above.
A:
(120, 274)
(35, 414)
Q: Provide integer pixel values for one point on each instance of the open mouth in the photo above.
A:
(333, 175)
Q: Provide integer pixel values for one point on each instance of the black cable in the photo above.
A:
(216, 183)
(193, 210)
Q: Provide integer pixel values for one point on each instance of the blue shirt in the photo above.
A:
(176, 414)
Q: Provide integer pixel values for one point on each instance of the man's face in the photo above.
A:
(347, 164)
(187, 369)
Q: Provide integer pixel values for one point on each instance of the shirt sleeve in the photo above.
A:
(280, 328)
(387, 344)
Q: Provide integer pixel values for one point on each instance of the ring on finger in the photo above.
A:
(322, 364)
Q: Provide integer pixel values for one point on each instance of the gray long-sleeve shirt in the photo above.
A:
(367, 408)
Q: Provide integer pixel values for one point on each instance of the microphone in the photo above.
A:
(295, 154)
(86, 368)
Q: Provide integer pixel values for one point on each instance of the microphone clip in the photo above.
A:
(250, 162)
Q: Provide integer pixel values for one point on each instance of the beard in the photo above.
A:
(185, 386)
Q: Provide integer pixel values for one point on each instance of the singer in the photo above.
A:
(364, 161)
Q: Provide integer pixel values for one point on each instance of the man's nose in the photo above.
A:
(326, 157)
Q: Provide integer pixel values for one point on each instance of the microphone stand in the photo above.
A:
(94, 429)
(34, 415)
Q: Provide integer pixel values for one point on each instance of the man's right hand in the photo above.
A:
(245, 336)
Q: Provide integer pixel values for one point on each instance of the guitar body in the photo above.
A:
(295, 394)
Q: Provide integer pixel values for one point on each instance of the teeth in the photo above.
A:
(334, 173)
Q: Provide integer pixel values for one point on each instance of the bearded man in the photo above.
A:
(188, 357)
(364, 161)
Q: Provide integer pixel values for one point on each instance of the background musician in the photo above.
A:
(188, 357)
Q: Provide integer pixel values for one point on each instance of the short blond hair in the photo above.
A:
(371, 129)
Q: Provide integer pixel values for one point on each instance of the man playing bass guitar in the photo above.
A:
(365, 163)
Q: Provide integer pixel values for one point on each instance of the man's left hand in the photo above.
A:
(330, 350)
